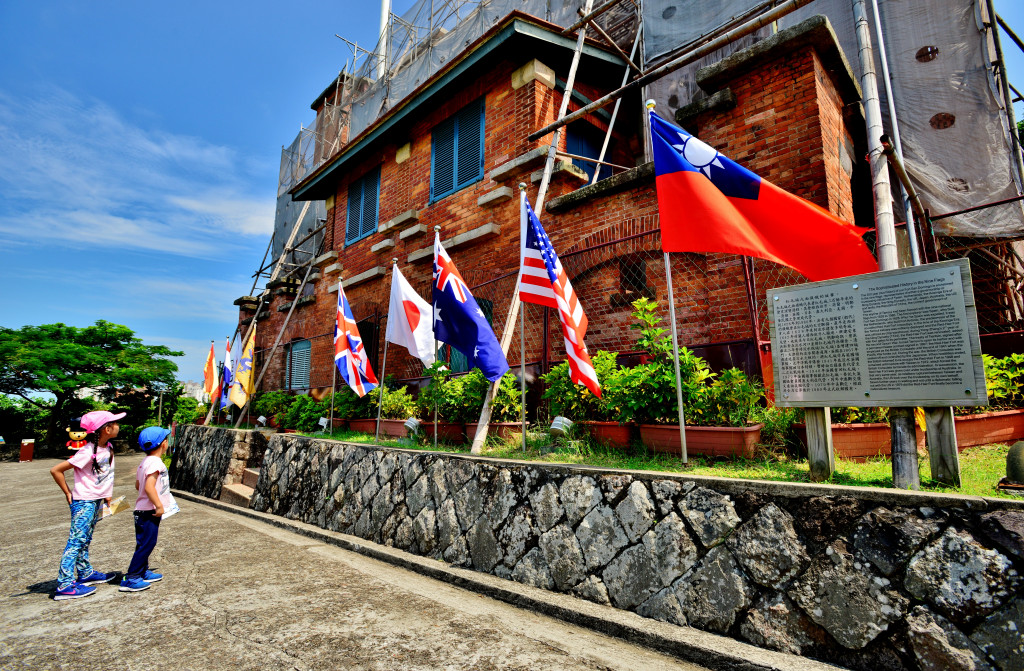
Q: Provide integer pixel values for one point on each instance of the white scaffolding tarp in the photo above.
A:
(954, 166)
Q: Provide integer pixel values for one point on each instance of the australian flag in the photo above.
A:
(460, 322)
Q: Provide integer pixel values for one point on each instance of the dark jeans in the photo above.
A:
(147, 525)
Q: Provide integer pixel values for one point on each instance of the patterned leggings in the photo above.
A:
(76, 554)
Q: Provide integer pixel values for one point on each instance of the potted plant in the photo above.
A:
(717, 413)
(356, 410)
(1003, 420)
(445, 394)
(396, 406)
(598, 415)
(273, 405)
(505, 408)
(859, 434)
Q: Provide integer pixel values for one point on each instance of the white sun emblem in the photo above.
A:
(698, 154)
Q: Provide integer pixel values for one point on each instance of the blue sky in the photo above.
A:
(139, 153)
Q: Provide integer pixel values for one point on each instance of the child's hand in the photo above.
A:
(107, 500)
(159, 510)
(67, 495)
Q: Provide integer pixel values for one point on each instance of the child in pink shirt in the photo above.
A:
(94, 486)
(154, 502)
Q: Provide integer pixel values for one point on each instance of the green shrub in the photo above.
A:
(271, 403)
(394, 403)
(568, 399)
(860, 415)
(507, 405)
(1005, 381)
(304, 414)
(468, 392)
(349, 406)
(777, 430)
(186, 411)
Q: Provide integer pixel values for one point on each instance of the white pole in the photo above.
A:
(522, 370)
(380, 397)
(675, 337)
(433, 311)
(675, 357)
(380, 380)
(334, 382)
(915, 254)
(905, 474)
(382, 42)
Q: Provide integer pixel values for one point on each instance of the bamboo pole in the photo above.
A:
(513, 311)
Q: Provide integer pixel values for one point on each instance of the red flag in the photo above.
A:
(210, 371)
(543, 281)
(708, 203)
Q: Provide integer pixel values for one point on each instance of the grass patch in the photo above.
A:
(980, 467)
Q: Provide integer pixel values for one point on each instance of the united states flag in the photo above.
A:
(349, 353)
(543, 281)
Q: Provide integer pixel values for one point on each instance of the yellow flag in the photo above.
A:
(241, 386)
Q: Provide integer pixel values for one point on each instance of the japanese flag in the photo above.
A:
(409, 319)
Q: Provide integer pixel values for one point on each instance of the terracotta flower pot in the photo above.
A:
(363, 425)
(499, 429)
(1002, 426)
(611, 434)
(860, 442)
(394, 428)
(712, 441)
(339, 423)
(447, 432)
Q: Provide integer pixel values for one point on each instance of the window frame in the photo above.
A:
(459, 129)
(295, 347)
(371, 177)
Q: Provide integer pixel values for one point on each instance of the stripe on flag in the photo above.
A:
(349, 354)
(543, 281)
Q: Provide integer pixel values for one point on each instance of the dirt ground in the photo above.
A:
(241, 594)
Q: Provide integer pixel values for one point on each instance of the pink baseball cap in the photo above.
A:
(91, 421)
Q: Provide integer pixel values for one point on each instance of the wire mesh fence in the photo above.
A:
(997, 273)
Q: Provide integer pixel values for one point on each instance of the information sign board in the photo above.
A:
(901, 338)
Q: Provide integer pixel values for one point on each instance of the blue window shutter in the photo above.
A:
(371, 196)
(442, 168)
(470, 157)
(355, 209)
(298, 365)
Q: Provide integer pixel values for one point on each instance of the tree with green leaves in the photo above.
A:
(104, 360)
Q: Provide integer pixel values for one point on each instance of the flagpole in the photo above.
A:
(672, 323)
(334, 382)
(522, 313)
(383, 365)
(433, 323)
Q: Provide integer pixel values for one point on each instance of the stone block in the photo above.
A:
(521, 163)
(475, 235)
(495, 197)
(413, 231)
(383, 246)
(533, 71)
(402, 153)
(365, 276)
(406, 218)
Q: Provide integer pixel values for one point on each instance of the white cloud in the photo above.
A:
(75, 172)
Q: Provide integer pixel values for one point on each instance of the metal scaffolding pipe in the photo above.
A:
(683, 60)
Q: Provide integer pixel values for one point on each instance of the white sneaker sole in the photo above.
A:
(125, 588)
(98, 582)
(65, 597)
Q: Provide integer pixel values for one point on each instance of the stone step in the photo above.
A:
(236, 495)
(250, 477)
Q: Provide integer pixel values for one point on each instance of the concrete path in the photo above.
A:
(240, 593)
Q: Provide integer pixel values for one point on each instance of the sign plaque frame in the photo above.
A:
(898, 338)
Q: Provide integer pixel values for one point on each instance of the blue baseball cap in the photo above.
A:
(151, 437)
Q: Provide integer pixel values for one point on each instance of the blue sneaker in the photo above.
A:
(97, 578)
(152, 576)
(75, 591)
(133, 585)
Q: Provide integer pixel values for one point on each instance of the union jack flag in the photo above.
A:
(349, 353)
(447, 275)
(543, 281)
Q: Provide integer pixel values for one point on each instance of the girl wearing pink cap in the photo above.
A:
(94, 485)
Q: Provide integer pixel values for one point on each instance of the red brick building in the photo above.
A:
(452, 153)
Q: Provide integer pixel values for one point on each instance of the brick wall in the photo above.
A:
(787, 126)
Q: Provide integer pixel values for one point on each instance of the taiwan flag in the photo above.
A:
(459, 321)
(708, 203)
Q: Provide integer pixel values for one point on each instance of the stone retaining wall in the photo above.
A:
(207, 458)
(868, 579)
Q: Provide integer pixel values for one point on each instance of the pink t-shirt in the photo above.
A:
(153, 464)
(93, 484)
